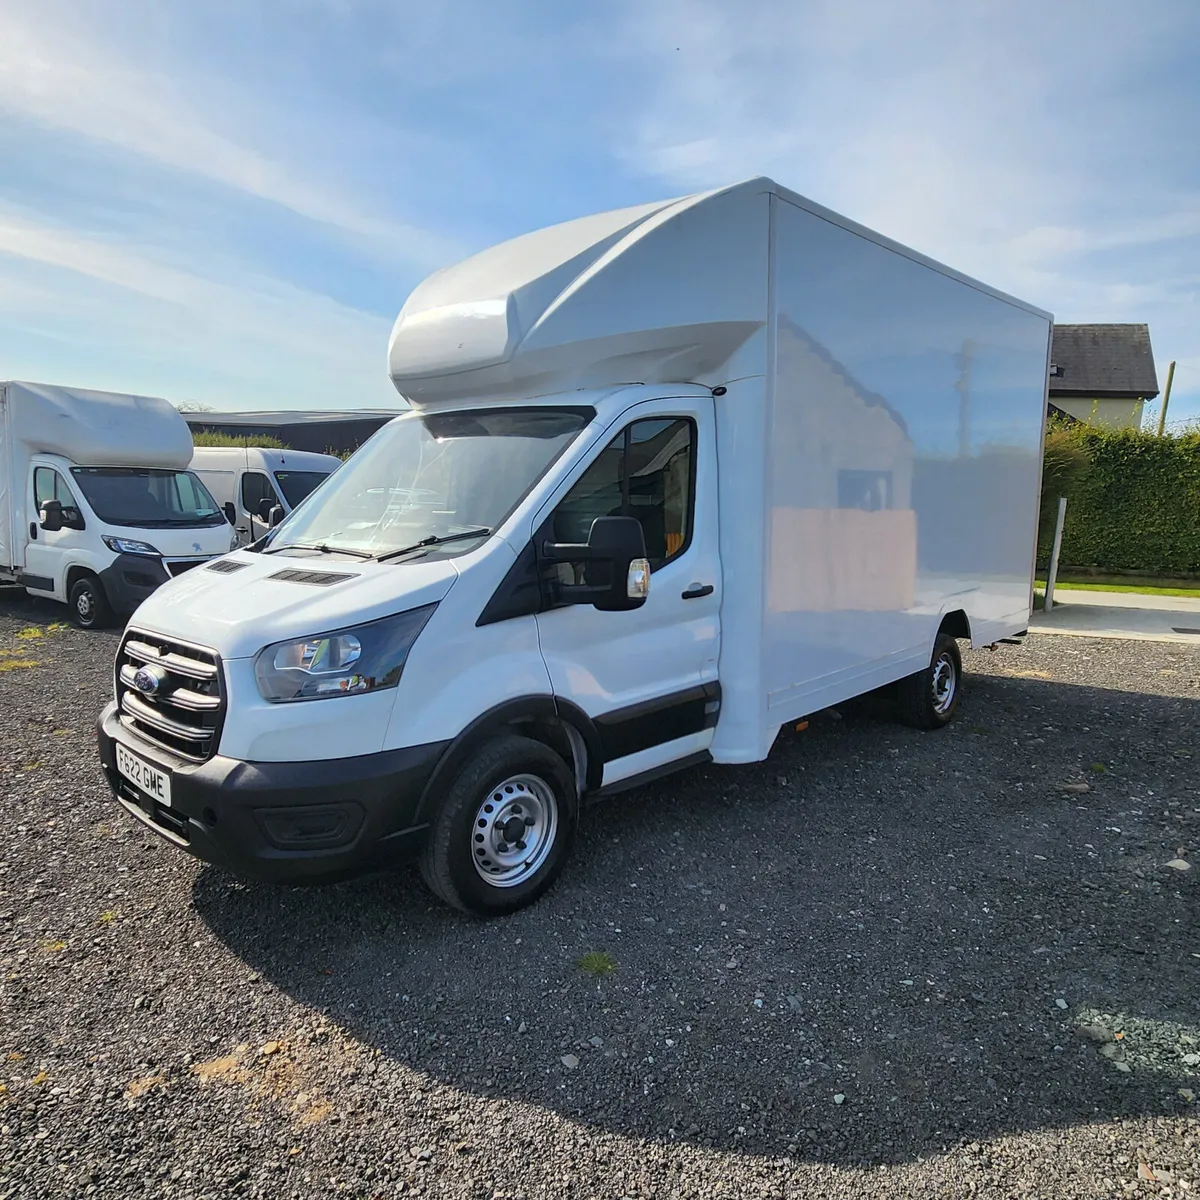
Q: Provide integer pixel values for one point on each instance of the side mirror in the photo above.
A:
(230, 512)
(263, 511)
(617, 572)
(51, 516)
(274, 515)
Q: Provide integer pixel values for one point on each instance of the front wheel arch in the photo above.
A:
(558, 724)
(79, 581)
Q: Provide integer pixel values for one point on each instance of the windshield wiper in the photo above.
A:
(434, 539)
(319, 546)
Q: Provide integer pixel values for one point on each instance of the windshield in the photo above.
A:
(431, 476)
(297, 485)
(147, 497)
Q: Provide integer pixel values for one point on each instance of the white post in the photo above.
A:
(1052, 577)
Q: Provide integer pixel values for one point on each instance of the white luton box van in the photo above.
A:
(673, 477)
(248, 482)
(97, 508)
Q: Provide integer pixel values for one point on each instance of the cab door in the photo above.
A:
(647, 677)
(46, 550)
(257, 496)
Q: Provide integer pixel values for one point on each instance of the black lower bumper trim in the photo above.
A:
(286, 822)
(131, 578)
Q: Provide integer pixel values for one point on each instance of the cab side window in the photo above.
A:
(48, 484)
(256, 488)
(647, 471)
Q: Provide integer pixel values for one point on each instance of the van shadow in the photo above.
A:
(852, 953)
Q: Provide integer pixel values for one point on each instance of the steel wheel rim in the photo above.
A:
(83, 605)
(945, 684)
(514, 830)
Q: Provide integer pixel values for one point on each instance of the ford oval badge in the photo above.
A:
(149, 679)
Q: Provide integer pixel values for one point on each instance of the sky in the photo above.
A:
(227, 203)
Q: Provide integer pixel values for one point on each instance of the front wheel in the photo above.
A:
(88, 604)
(504, 829)
(929, 699)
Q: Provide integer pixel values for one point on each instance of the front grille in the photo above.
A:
(177, 566)
(316, 578)
(183, 714)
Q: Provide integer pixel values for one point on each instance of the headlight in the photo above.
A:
(123, 545)
(234, 540)
(346, 662)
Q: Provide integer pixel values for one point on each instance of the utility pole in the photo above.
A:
(1162, 416)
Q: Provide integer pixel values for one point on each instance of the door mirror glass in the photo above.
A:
(51, 516)
(230, 512)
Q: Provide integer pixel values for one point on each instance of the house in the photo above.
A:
(325, 432)
(1102, 374)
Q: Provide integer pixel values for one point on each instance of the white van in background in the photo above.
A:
(249, 481)
(97, 508)
(673, 478)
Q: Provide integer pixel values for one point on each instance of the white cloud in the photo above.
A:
(241, 341)
(1001, 137)
(57, 72)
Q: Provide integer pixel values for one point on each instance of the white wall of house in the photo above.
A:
(1105, 413)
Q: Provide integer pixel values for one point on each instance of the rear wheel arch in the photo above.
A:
(956, 624)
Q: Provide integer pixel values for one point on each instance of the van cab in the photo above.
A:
(97, 508)
(248, 482)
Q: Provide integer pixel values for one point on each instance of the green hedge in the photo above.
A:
(1133, 500)
(261, 441)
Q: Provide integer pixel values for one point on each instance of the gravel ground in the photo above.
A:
(858, 968)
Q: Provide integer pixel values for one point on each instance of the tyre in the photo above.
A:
(504, 829)
(929, 699)
(89, 605)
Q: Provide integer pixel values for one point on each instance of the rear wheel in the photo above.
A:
(504, 829)
(929, 699)
(88, 604)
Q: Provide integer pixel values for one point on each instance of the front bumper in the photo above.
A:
(295, 822)
(131, 578)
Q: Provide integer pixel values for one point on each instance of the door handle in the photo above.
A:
(33, 531)
(697, 590)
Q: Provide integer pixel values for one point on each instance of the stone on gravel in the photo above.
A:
(1094, 1033)
(570, 1061)
(1179, 864)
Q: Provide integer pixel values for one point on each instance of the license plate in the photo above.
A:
(155, 783)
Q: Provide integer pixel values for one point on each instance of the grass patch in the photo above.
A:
(28, 635)
(13, 663)
(1122, 583)
(597, 963)
(1098, 768)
